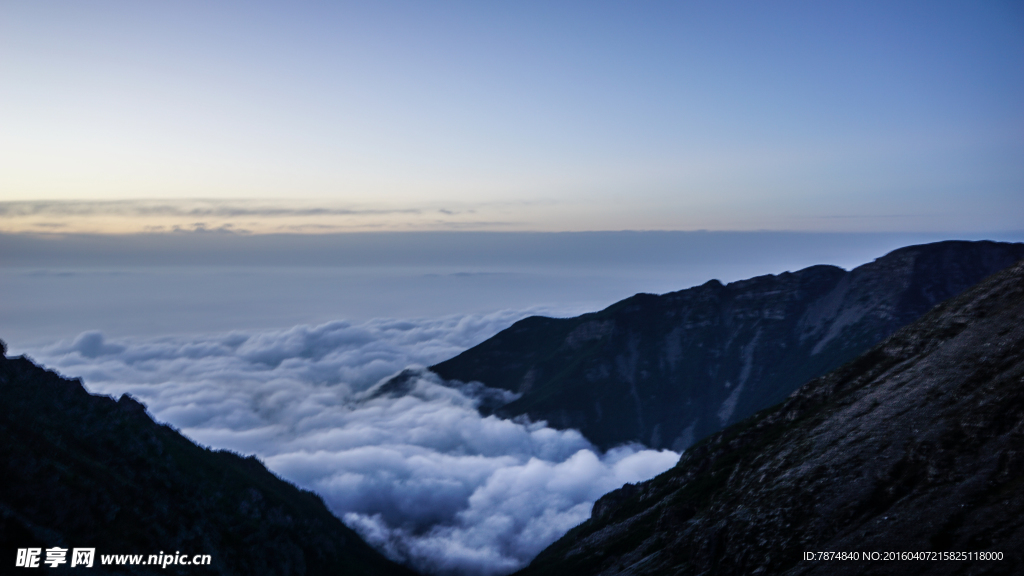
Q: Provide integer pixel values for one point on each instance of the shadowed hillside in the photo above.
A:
(914, 446)
(668, 370)
(78, 470)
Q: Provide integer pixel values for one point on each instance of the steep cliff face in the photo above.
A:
(914, 446)
(83, 471)
(668, 370)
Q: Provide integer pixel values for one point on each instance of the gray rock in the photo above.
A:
(668, 370)
(915, 446)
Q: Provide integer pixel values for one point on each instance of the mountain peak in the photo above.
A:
(909, 448)
(668, 370)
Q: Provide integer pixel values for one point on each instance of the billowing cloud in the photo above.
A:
(414, 468)
(245, 216)
(181, 208)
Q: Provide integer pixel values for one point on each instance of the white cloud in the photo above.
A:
(418, 472)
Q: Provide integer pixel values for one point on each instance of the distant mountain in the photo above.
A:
(81, 471)
(916, 446)
(668, 370)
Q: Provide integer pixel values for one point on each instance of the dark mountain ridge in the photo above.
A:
(78, 470)
(668, 370)
(916, 446)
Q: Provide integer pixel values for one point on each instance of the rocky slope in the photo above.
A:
(668, 370)
(78, 470)
(918, 445)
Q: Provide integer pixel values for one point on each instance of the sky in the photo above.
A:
(262, 117)
(57, 286)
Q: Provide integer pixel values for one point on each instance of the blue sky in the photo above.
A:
(845, 116)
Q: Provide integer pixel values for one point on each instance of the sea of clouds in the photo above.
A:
(416, 471)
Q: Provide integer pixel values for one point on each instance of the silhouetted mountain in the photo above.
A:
(668, 370)
(916, 446)
(78, 470)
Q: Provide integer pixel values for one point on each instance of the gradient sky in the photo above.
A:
(332, 116)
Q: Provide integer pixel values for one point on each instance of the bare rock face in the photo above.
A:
(915, 446)
(84, 471)
(669, 370)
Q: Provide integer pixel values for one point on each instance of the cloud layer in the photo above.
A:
(416, 470)
(244, 216)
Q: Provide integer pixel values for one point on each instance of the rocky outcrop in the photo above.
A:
(81, 471)
(668, 370)
(915, 446)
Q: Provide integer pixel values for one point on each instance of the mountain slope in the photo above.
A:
(668, 370)
(914, 446)
(78, 470)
